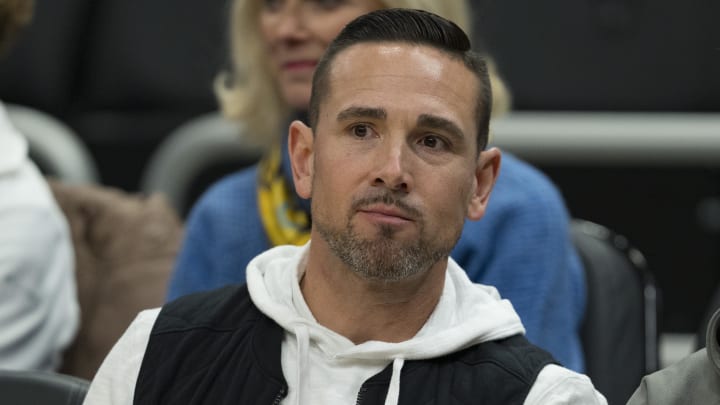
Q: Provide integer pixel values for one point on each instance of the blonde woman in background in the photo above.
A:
(522, 246)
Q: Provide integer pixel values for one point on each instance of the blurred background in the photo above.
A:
(628, 96)
(617, 101)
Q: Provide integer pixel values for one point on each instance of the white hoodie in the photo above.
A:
(323, 367)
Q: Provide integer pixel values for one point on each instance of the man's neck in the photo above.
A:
(363, 310)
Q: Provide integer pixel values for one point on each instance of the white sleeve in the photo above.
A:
(39, 313)
(114, 383)
(557, 385)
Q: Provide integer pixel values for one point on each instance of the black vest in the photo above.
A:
(218, 348)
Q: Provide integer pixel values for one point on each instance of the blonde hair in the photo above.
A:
(249, 93)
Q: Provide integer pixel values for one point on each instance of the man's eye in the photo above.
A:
(433, 142)
(361, 130)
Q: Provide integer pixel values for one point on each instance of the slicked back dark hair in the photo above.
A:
(415, 27)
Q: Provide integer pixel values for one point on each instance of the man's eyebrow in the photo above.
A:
(440, 123)
(362, 112)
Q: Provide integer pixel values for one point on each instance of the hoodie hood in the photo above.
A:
(13, 146)
(466, 314)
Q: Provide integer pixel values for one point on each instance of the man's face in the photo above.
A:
(393, 168)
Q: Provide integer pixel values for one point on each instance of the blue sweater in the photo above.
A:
(521, 246)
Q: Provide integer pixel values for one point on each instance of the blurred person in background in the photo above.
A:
(522, 246)
(694, 380)
(39, 312)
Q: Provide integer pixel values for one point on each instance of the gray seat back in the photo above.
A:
(619, 332)
(195, 155)
(41, 388)
(53, 146)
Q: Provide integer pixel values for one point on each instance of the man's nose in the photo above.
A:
(392, 168)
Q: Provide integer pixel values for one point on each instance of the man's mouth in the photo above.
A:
(381, 211)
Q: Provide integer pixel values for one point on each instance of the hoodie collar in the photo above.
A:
(466, 314)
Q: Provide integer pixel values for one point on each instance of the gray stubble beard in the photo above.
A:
(383, 258)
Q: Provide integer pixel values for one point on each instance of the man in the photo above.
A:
(694, 380)
(39, 313)
(372, 310)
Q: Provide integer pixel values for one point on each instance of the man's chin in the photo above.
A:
(384, 233)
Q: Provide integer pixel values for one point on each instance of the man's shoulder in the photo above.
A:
(197, 342)
(513, 356)
(220, 310)
(501, 371)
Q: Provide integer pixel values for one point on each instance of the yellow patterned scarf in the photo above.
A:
(284, 221)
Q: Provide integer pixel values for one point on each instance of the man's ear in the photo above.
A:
(486, 172)
(300, 147)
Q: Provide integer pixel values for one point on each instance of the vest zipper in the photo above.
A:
(280, 396)
(359, 401)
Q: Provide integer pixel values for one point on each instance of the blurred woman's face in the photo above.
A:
(297, 32)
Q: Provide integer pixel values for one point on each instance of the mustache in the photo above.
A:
(386, 198)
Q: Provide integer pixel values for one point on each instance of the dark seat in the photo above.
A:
(619, 332)
(54, 148)
(712, 308)
(41, 388)
(196, 154)
(121, 73)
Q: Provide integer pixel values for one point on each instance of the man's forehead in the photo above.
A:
(381, 73)
(391, 48)
(401, 55)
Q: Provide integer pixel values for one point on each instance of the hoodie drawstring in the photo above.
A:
(303, 343)
(393, 395)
